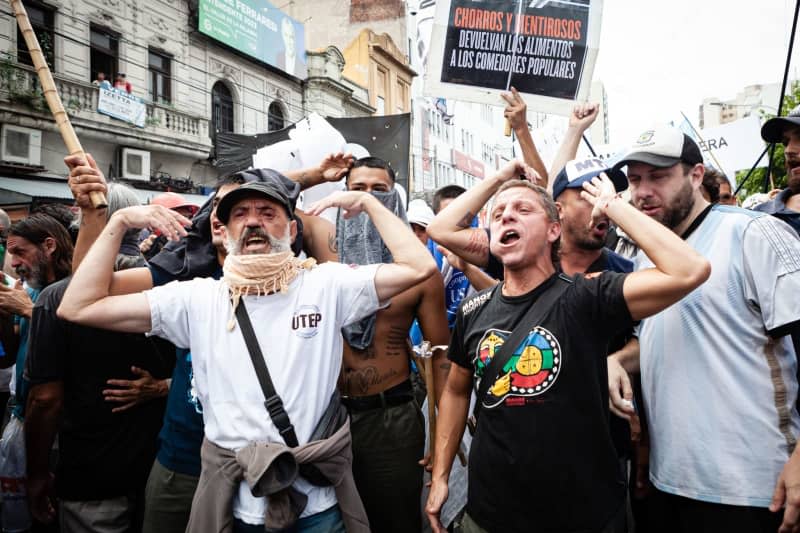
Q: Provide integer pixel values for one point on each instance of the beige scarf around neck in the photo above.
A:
(260, 274)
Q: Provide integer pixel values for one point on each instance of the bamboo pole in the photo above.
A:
(51, 93)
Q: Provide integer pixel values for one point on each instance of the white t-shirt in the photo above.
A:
(719, 393)
(299, 335)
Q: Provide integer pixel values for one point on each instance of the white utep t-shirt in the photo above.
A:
(299, 334)
(719, 394)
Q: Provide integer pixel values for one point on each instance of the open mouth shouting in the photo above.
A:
(600, 229)
(509, 236)
(254, 240)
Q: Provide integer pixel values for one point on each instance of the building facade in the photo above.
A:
(753, 99)
(375, 62)
(338, 22)
(189, 87)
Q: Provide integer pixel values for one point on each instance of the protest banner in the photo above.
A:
(734, 145)
(123, 106)
(546, 49)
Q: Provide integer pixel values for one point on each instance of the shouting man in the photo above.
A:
(542, 456)
(260, 272)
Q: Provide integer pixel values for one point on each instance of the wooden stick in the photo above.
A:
(51, 93)
(507, 131)
(427, 363)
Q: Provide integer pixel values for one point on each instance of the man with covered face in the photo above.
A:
(786, 130)
(718, 368)
(388, 432)
(297, 311)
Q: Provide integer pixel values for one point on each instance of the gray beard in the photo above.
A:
(276, 245)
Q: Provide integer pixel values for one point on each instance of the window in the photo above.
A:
(221, 108)
(275, 117)
(380, 90)
(104, 53)
(159, 77)
(402, 97)
(42, 23)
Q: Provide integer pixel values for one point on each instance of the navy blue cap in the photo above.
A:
(578, 171)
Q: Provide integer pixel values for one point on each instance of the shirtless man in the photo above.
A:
(385, 420)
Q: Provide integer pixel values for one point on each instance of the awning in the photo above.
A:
(18, 190)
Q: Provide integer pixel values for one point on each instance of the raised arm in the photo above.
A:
(477, 278)
(582, 117)
(679, 269)
(452, 229)
(319, 238)
(88, 299)
(413, 263)
(332, 168)
(85, 177)
(517, 114)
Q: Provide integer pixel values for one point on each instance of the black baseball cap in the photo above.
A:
(772, 130)
(270, 188)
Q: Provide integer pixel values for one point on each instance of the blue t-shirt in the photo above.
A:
(182, 433)
(456, 284)
(777, 208)
(23, 386)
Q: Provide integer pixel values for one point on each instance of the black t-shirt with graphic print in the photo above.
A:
(542, 458)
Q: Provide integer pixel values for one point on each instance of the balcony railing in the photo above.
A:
(20, 85)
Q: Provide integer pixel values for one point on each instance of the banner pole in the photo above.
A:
(51, 92)
(591, 149)
(768, 177)
(507, 130)
(752, 169)
(696, 132)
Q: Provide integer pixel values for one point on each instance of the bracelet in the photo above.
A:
(605, 204)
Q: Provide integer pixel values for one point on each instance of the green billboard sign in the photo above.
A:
(258, 29)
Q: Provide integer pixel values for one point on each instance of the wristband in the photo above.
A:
(606, 203)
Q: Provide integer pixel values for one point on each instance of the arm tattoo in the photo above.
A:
(466, 222)
(303, 180)
(478, 243)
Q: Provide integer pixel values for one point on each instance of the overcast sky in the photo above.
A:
(658, 58)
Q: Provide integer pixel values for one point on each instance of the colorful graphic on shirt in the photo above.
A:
(531, 370)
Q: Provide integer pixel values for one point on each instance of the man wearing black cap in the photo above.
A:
(718, 368)
(176, 470)
(297, 311)
(786, 130)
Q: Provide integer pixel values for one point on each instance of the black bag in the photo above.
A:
(536, 313)
(332, 419)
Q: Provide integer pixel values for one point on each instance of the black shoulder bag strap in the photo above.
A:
(273, 402)
(534, 316)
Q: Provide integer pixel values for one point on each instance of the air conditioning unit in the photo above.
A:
(135, 164)
(21, 145)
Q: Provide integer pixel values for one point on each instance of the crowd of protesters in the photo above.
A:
(614, 349)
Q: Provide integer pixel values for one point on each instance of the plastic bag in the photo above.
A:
(14, 514)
